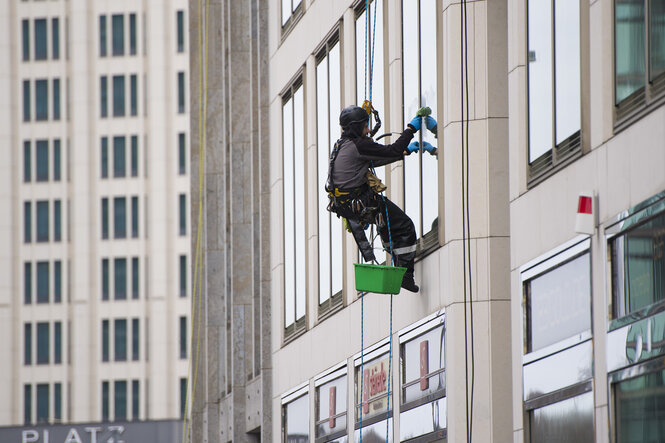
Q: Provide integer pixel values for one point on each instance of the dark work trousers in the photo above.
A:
(402, 233)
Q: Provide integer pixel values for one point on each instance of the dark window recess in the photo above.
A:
(105, 218)
(56, 99)
(120, 400)
(183, 214)
(118, 25)
(27, 283)
(119, 166)
(40, 39)
(105, 340)
(120, 339)
(135, 278)
(55, 32)
(183, 337)
(25, 25)
(104, 157)
(27, 161)
(181, 92)
(182, 162)
(118, 95)
(180, 19)
(42, 160)
(26, 101)
(27, 344)
(183, 276)
(27, 404)
(183, 397)
(135, 339)
(57, 342)
(43, 343)
(57, 220)
(57, 402)
(133, 102)
(119, 217)
(105, 401)
(42, 221)
(132, 34)
(120, 280)
(57, 281)
(41, 100)
(27, 222)
(42, 403)
(135, 156)
(103, 45)
(103, 96)
(135, 217)
(57, 162)
(105, 278)
(135, 399)
(43, 279)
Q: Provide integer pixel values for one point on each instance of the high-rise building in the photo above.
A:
(95, 232)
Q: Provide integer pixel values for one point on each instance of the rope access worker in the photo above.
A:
(353, 188)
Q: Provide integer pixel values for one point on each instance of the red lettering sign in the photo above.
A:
(424, 365)
(331, 406)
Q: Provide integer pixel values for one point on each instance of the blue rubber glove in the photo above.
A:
(430, 123)
(413, 147)
(416, 123)
(428, 147)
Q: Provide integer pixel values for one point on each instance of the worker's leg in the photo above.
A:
(403, 235)
(361, 239)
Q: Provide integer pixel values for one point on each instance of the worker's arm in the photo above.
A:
(383, 154)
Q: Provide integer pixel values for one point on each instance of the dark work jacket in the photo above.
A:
(357, 154)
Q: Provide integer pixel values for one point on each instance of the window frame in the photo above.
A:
(291, 396)
(294, 17)
(338, 372)
(374, 353)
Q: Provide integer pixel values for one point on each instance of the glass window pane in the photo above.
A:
(286, 11)
(25, 26)
(181, 154)
(289, 234)
(105, 279)
(181, 92)
(135, 399)
(119, 217)
(560, 303)
(41, 100)
(43, 282)
(135, 339)
(639, 266)
(27, 283)
(331, 401)
(27, 344)
(105, 401)
(103, 96)
(120, 399)
(629, 41)
(57, 342)
(372, 390)
(40, 39)
(27, 404)
(540, 78)
(57, 220)
(105, 157)
(105, 340)
(639, 408)
(376, 432)
(133, 103)
(56, 160)
(105, 218)
(27, 222)
(135, 278)
(135, 156)
(181, 30)
(336, 229)
(567, 67)
(135, 217)
(42, 160)
(118, 95)
(102, 36)
(132, 34)
(57, 401)
(183, 397)
(183, 214)
(43, 343)
(656, 38)
(57, 281)
(422, 356)
(183, 276)
(27, 161)
(411, 77)
(118, 24)
(183, 337)
(55, 30)
(425, 419)
(120, 339)
(120, 280)
(299, 189)
(567, 420)
(119, 168)
(323, 153)
(296, 419)
(42, 403)
(26, 100)
(42, 221)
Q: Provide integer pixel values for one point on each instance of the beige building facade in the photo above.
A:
(95, 233)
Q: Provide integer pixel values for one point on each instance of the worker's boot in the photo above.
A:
(409, 283)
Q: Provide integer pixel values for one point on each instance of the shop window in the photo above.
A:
(27, 222)
(637, 263)
(27, 161)
(331, 399)
(182, 154)
(43, 338)
(103, 45)
(120, 400)
(57, 220)
(183, 337)
(27, 283)
(106, 397)
(120, 278)
(423, 409)
(328, 104)
(42, 221)
(119, 166)
(103, 96)
(419, 55)
(639, 403)
(181, 92)
(135, 278)
(291, 12)
(25, 26)
(376, 50)
(182, 203)
(180, 26)
(41, 100)
(27, 344)
(55, 31)
(40, 39)
(132, 34)
(42, 403)
(554, 84)
(43, 278)
(183, 276)
(639, 54)
(133, 103)
(57, 281)
(135, 156)
(118, 27)
(372, 396)
(135, 339)
(57, 163)
(120, 339)
(104, 157)
(293, 137)
(295, 417)
(26, 101)
(27, 404)
(118, 95)
(105, 278)
(119, 217)
(57, 342)
(105, 218)
(105, 340)
(42, 161)
(57, 402)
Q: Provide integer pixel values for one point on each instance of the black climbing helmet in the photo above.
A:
(352, 115)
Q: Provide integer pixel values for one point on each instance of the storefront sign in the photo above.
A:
(375, 387)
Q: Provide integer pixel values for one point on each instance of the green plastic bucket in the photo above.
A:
(379, 279)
